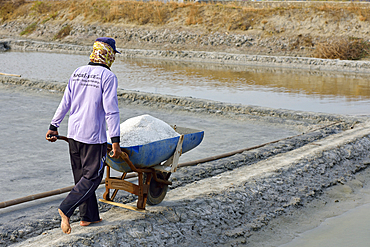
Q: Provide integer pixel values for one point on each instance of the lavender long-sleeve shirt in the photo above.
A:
(91, 97)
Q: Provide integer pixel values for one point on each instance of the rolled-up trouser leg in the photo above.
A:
(87, 162)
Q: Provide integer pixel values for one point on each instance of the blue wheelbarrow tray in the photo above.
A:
(154, 153)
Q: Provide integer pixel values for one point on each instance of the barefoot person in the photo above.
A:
(91, 98)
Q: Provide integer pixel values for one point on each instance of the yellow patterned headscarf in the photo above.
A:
(102, 53)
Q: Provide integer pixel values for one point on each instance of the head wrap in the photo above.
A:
(102, 53)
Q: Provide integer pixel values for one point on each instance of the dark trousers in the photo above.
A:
(87, 162)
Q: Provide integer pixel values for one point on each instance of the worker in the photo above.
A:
(91, 98)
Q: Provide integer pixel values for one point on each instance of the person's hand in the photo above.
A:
(53, 133)
(116, 149)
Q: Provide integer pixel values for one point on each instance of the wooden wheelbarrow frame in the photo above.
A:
(145, 177)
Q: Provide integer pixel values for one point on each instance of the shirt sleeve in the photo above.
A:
(110, 105)
(63, 107)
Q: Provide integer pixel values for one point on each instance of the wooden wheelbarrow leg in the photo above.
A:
(106, 193)
(144, 189)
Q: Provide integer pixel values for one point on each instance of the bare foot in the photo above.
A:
(87, 223)
(66, 227)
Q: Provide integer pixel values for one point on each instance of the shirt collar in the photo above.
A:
(99, 64)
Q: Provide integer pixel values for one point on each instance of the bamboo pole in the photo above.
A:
(10, 74)
(45, 194)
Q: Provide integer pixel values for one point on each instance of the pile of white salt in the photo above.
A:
(144, 129)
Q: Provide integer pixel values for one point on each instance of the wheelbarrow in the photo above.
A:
(153, 162)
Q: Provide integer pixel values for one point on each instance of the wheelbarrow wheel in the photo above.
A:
(157, 191)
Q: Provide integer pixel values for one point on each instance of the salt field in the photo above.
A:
(27, 112)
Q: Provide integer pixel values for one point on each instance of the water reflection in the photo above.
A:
(242, 78)
(331, 92)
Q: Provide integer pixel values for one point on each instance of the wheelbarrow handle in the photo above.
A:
(60, 137)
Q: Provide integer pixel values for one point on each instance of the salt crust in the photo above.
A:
(144, 129)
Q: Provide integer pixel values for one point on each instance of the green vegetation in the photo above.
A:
(29, 29)
(63, 32)
(40, 7)
(48, 18)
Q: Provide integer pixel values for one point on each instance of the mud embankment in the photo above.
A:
(306, 63)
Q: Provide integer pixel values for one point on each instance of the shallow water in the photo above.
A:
(329, 92)
(348, 229)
